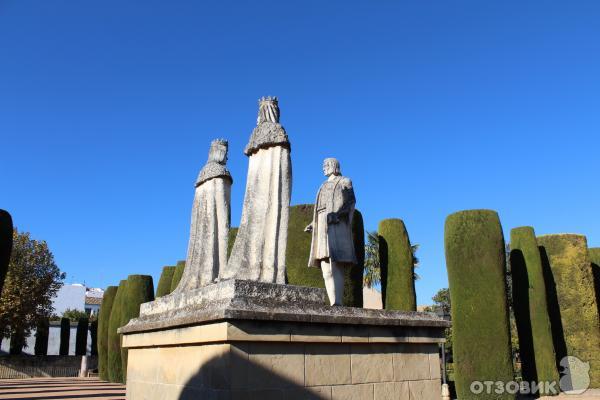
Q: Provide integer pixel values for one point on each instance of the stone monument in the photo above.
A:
(254, 337)
(332, 247)
(207, 249)
(258, 253)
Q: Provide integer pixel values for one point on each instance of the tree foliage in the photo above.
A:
(372, 273)
(74, 315)
(31, 282)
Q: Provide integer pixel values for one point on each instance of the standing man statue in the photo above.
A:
(332, 247)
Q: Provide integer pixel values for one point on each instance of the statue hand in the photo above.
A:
(308, 228)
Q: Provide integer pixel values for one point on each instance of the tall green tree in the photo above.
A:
(372, 273)
(31, 282)
(6, 238)
(103, 321)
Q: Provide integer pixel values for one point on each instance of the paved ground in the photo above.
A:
(60, 388)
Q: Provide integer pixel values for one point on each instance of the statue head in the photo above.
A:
(331, 166)
(218, 151)
(268, 110)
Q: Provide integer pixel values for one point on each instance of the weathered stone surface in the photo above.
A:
(352, 392)
(412, 363)
(391, 391)
(258, 253)
(332, 246)
(327, 364)
(426, 389)
(260, 301)
(372, 363)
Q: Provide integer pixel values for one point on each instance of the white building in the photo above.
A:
(77, 297)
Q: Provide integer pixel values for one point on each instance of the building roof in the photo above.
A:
(93, 300)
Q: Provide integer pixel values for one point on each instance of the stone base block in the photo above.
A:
(282, 355)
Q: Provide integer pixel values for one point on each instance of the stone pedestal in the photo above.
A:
(249, 340)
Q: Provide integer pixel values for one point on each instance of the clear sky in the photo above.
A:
(107, 109)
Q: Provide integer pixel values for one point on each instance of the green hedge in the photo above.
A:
(177, 274)
(231, 239)
(103, 322)
(6, 239)
(298, 249)
(595, 257)
(164, 283)
(396, 260)
(114, 365)
(572, 299)
(42, 332)
(140, 289)
(538, 360)
(353, 282)
(65, 335)
(476, 262)
(94, 338)
(81, 336)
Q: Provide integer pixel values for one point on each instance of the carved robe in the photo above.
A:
(333, 241)
(207, 248)
(258, 253)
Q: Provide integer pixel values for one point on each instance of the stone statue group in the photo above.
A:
(258, 253)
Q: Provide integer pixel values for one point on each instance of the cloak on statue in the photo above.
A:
(258, 253)
(207, 248)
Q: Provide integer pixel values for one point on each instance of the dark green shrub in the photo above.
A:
(103, 322)
(94, 337)
(177, 274)
(114, 365)
(595, 257)
(17, 342)
(298, 249)
(140, 289)
(531, 308)
(81, 337)
(476, 262)
(164, 283)
(65, 335)
(231, 239)
(353, 282)
(6, 239)
(396, 260)
(42, 331)
(572, 299)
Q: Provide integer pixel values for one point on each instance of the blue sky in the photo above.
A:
(107, 110)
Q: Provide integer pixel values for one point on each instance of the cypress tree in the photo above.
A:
(140, 289)
(298, 249)
(65, 335)
(114, 366)
(17, 342)
(81, 337)
(231, 239)
(41, 337)
(476, 262)
(177, 274)
(6, 241)
(94, 337)
(164, 283)
(353, 282)
(572, 300)
(397, 261)
(595, 257)
(531, 308)
(103, 322)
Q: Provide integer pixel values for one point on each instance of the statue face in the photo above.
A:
(328, 168)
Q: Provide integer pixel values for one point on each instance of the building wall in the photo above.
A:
(69, 296)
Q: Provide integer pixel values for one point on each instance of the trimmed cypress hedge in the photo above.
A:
(81, 337)
(476, 262)
(6, 241)
(353, 282)
(396, 260)
(298, 249)
(140, 289)
(531, 308)
(103, 322)
(94, 337)
(572, 299)
(42, 331)
(231, 239)
(114, 365)
(164, 283)
(595, 257)
(177, 274)
(65, 335)
(17, 342)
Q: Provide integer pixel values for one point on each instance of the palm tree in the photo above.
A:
(372, 272)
